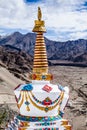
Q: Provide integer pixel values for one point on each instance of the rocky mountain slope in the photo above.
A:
(75, 51)
(16, 61)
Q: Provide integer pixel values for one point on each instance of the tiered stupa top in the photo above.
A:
(40, 64)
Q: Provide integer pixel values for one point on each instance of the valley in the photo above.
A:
(73, 77)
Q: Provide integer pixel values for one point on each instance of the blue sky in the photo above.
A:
(28, 1)
(64, 19)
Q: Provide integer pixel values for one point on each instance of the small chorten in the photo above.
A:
(40, 103)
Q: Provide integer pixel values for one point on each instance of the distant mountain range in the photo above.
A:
(75, 51)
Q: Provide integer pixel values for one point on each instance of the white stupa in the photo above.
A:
(41, 104)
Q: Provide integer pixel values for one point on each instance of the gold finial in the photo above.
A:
(39, 24)
(39, 14)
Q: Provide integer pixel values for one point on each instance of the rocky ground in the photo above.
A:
(74, 77)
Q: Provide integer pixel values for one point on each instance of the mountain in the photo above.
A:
(69, 50)
(16, 61)
(24, 42)
(81, 57)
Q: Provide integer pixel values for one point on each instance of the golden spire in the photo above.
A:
(39, 14)
(40, 64)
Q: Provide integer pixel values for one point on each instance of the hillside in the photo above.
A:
(7, 98)
(16, 61)
(7, 84)
(68, 51)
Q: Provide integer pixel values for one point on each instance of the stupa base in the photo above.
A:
(38, 123)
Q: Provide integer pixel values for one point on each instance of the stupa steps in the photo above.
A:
(16, 124)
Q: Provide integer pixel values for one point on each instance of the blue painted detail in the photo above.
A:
(16, 121)
(27, 103)
(43, 76)
(28, 87)
(10, 128)
(40, 119)
(12, 125)
(61, 88)
(61, 113)
(46, 128)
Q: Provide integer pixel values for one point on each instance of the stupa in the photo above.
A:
(41, 104)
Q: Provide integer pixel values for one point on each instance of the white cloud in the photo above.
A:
(67, 18)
